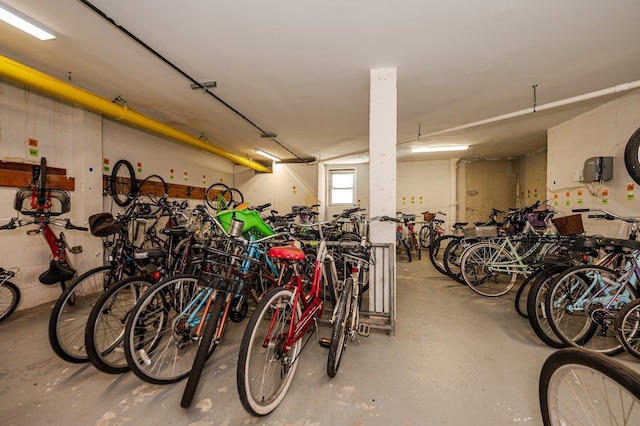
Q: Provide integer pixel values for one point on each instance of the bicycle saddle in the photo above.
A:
(56, 273)
(150, 253)
(289, 252)
(175, 231)
(358, 252)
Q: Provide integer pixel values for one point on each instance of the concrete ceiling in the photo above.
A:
(300, 70)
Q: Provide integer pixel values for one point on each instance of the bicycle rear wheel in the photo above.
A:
(578, 387)
(218, 196)
(9, 299)
(70, 313)
(627, 325)
(161, 336)
(104, 333)
(577, 310)
(265, 367)
(476, 266)
(341, 327)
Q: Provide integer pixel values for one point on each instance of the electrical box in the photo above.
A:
(598, 169)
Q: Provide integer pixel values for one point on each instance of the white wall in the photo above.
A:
(423, 186)
(77, 140)
(603, 131)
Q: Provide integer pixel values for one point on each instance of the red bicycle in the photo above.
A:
(43, 204)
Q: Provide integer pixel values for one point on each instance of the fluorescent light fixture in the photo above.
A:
(24, 23)
(266, 154)
(443, 148)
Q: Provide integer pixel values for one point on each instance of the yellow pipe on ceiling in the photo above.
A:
(30, 77)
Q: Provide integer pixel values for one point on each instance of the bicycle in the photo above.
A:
(410, 234)
(345, 320)
(9, 293)
(221, 197)
(272, 342)
(431, 228)
(67, 321)
(44, 204)
(579, 387)
(583, 301)
(402, 240)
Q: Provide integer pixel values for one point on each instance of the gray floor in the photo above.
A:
(457, 359)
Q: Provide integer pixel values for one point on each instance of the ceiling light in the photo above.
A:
(24, 23)
(439, 148)
(266, 154)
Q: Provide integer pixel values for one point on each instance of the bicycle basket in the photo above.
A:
(428, 217)
(57, 202)
(223, 270)
(569, 225)
(104, 224)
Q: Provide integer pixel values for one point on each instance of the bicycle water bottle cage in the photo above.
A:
(56, 273)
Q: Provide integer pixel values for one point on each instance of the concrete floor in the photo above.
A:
(457, 359)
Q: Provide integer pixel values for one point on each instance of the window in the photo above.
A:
(342, 187)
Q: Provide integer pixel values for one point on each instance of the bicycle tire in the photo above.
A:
(123, 183)
(579, 387)
(537, 315)
(204, 349)
(426, 236)
(104, 333)
(237, 197)
(153, 185)
(67, 321)
(572, 321)
(341, 328)
(520, 301)
(407, 248)
(632, 156)
(160, 343)
(9, 299)
(436, 252)
(269, 322)
(627, 325)
(451, 259)
(476, 275)
(218, 196)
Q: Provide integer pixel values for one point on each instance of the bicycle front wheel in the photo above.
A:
(536, 313)
(123, 183)
(162, 332)
(341, 327)
(477, 265)
(436, 251)
(578, 387)
(104, 333)
(265, 366)
(72, 309)
(9, 299)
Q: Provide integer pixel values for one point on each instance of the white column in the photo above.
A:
(382, 151)
(382, 182)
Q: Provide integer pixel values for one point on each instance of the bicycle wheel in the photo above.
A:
(161, 336)
(104, 333)
(451, 259)
(9, 299)
(536, 313)
(153, 185)
(415, 245)
(476, 266)
(265, 367)
(426, 236)
(123, 183)
(218, 196)
(342, 323)
(632, 156)
(577, 307)
(627, 325)
(70, 313)
(236, 197)
(436, 251)
(205, 348)
(578, 387)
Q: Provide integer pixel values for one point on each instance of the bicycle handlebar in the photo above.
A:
(606, 215)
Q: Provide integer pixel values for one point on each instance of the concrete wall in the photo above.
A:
(603, 131)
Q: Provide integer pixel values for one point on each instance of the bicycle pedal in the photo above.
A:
(364, 329)
(76, 249)
(324, 342)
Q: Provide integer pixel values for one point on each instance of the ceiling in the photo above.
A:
(300, 70)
